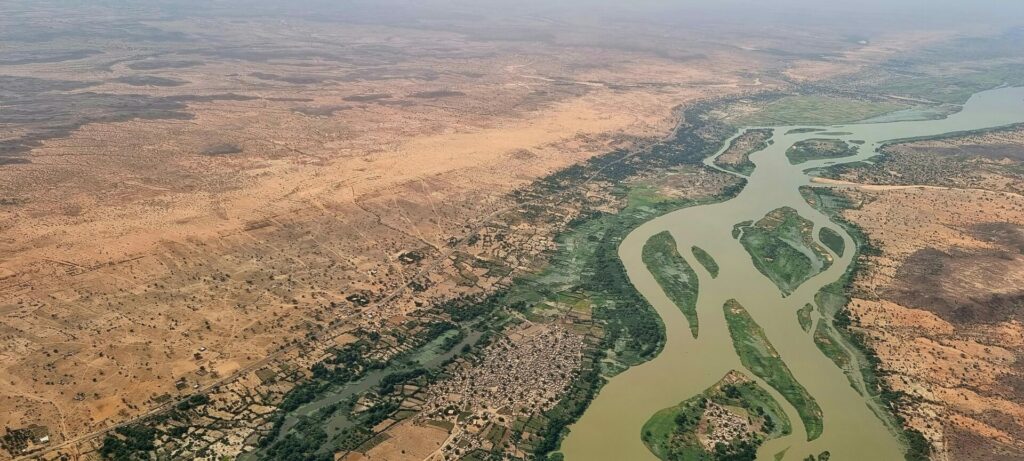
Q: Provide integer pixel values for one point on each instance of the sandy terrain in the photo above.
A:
(937, 307)
(191, 242)
(406, 441)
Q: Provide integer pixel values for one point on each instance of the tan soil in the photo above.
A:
(958, 372)
(406, 441)
(126, 249)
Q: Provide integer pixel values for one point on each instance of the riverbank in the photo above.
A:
(861, 365)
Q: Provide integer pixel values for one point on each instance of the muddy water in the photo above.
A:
(610, 428)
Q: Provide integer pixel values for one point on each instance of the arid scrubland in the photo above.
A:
(988, 161)
(181, 208)
(939, 304)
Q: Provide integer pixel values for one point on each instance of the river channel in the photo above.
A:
(610, 428)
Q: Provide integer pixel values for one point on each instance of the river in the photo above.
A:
(610, 428)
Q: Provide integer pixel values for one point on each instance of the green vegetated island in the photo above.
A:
(674, 274)
(783, 249)
(832, 240)
(819, 149)
(758, 355)
(736, 157)
(705, 260)
(829, 345)
(803, 130)
(835, 133)
(804, 316)
(728, 421)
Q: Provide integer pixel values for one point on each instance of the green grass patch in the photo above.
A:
(819, 149)
(955, 87)
(829, 345)
(831, 299)
(759, 356)
(823, 456)
(782, 248)
(673, 433)
(832, 240)
(496, 434)
(705, 260)
(815, 110)
(804, 316)
(675, 276)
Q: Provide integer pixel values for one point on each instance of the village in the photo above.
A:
(520, 375)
